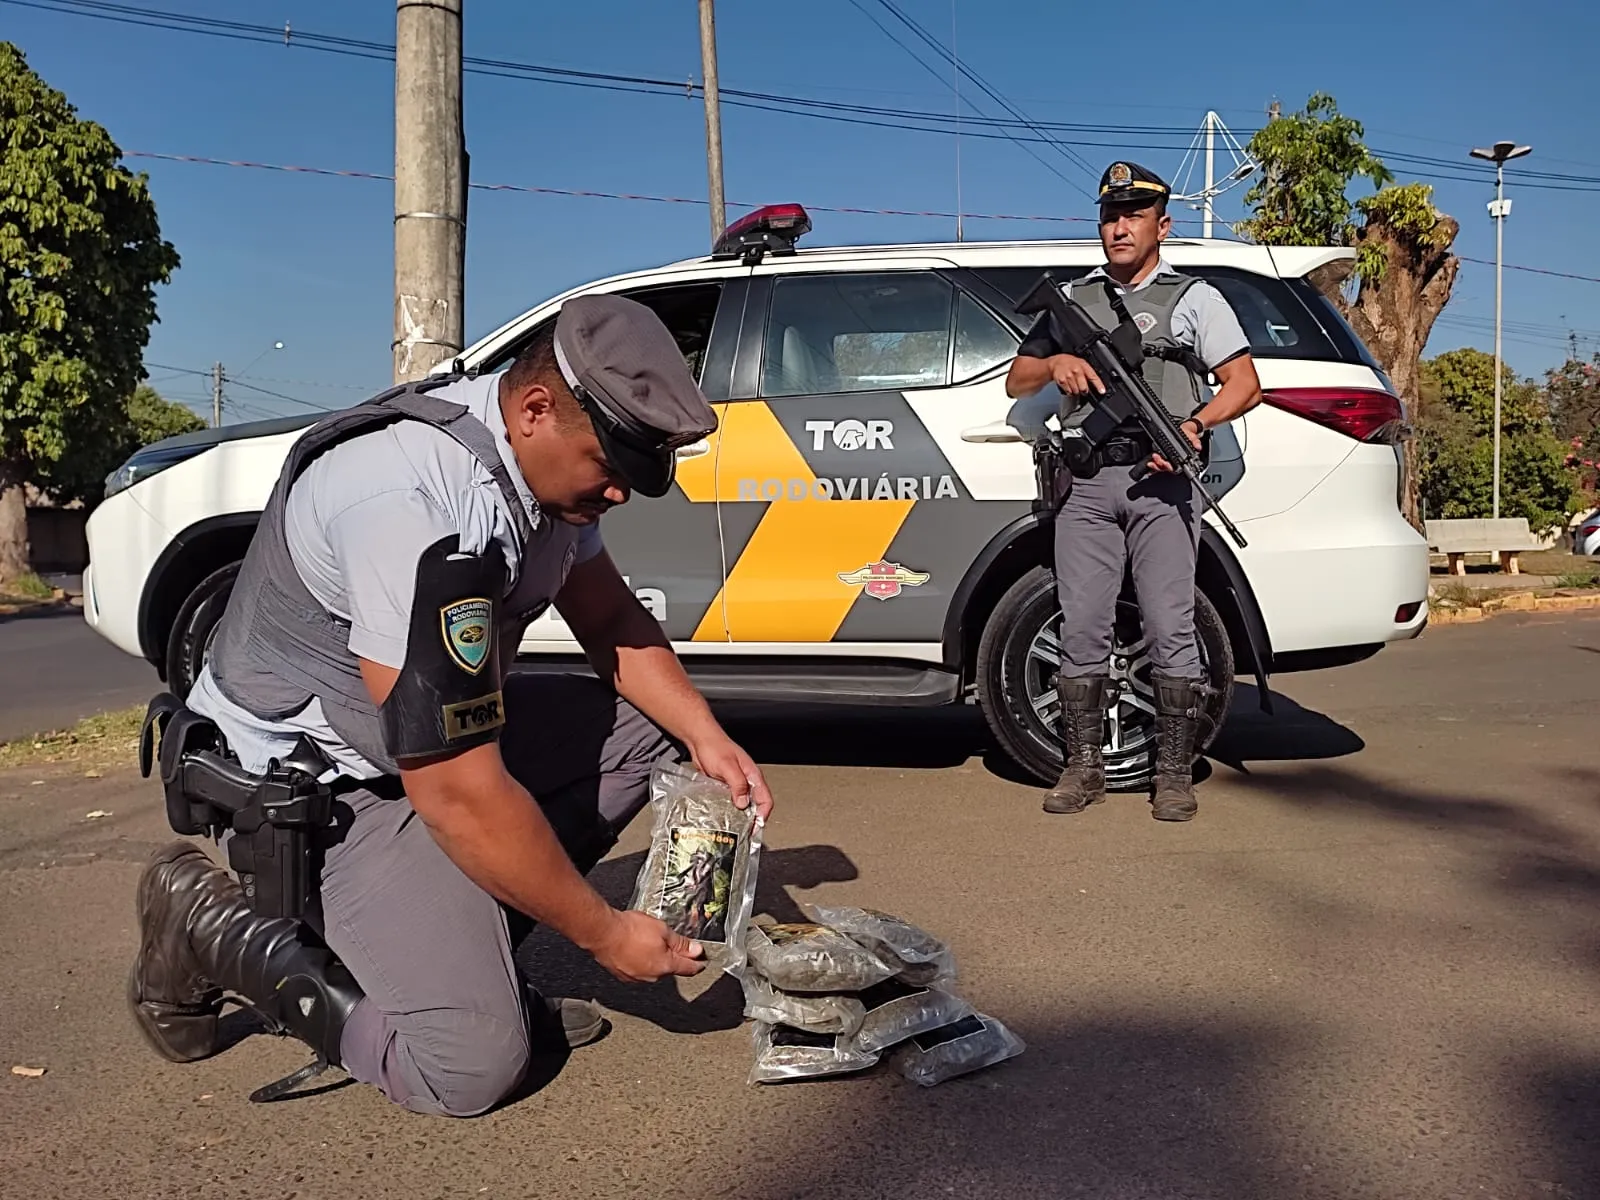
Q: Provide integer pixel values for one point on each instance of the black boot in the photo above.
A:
(199, 938)
(1177, 718)
(1083, 770)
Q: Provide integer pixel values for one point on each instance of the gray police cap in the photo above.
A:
(627, 371)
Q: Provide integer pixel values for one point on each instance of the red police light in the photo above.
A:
(770, 230)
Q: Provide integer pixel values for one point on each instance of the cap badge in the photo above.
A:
(1121, 175)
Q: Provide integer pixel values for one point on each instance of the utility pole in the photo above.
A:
(1211, 173)
(708, 69)
(1499, 209)
(216, 395)
(430, 217)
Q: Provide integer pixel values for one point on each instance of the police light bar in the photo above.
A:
(770, 230)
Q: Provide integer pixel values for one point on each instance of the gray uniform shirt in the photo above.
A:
(1202, 320)
(358, 519)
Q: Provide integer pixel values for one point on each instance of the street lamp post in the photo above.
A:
(1499, 210)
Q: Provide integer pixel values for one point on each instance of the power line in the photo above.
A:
(910, 120)
(588, 194)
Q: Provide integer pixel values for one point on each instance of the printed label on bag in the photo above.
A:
(699, 878)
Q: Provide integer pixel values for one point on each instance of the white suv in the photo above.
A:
(859, 528)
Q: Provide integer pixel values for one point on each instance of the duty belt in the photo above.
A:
(1123, 450)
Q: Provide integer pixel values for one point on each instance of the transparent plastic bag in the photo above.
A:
(783, 1053)
(920, 958)
(821, 1012)
(896, 1010)
(699, 875)
(970, 1044)
(805, 957)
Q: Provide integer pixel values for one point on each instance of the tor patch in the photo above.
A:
(468, 633)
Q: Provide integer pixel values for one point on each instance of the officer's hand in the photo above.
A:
(641, 949)
(1157, 463)
(1075, 376)
(721, 758)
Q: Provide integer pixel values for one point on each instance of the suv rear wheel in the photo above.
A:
(1018, 657)
(195, 628)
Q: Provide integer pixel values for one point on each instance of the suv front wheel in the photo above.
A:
(1018, 657)
(189, 644)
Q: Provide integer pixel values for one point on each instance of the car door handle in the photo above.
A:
(694, 449)
(998, 431)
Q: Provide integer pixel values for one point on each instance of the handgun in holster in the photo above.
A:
(274, 818)
(1051, 474)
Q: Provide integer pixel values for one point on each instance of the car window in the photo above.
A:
(686, 309)
(857, 333)
(1276, 321)
(982, 340)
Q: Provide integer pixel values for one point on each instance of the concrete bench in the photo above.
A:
(1457, 537)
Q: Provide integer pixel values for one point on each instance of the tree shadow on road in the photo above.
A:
(1095, 1107)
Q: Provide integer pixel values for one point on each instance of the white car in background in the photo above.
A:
(859, 528)
(1586, 535)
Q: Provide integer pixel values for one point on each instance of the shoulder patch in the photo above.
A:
(468, 630)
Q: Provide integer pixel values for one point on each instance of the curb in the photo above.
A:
(60, 602)
(1521, 602)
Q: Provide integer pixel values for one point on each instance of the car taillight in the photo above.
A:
(1366, 414)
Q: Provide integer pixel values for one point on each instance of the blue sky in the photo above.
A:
(307, 260)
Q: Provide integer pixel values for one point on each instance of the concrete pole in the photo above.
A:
(216, 396)
(1211, 171)
(430, 220)
(708, 69)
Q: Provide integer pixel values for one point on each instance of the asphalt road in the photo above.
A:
(1370, 968)
(57, 671)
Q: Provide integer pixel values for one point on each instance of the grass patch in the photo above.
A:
(1579, 579)
(26, 589)
(1456, 595)
(107, 741)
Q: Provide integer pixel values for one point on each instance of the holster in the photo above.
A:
(1052, 476)
(274, 818)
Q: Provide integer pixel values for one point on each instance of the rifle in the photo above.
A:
(1128, 397)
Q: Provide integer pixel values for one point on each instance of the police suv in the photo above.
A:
(859, 528)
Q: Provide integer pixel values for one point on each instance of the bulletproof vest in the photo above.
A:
(276, 646)
(1175, 382)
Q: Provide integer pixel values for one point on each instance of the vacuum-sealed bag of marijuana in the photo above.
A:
(804, 957)
(699, 875)
(818, 1012)
(896, 1010)
(968, 1045)
(918, 956)
(783, 1052)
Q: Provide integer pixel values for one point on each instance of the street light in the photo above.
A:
(1499, 210)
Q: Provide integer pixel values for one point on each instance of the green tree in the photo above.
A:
(1455, 445)
(146, 417)
(1403, 271)
(1574, 397)
(1310, 159)
(80, 255)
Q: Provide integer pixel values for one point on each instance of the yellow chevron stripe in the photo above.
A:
(785, 586)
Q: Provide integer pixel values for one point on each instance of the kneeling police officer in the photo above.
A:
(1108, 517)
(359, 671)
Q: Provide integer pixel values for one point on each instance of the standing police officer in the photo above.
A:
(407, 545)
(1188, 331)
